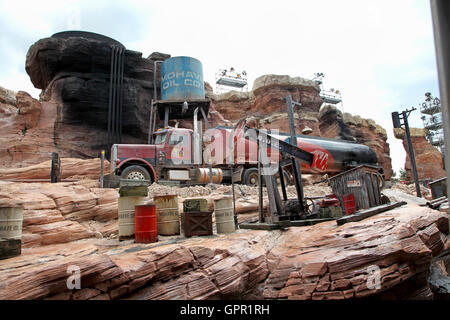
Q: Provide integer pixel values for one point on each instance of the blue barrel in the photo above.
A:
(182, 79)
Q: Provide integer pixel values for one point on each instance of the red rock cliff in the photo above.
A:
(429, 159)
(265, 106)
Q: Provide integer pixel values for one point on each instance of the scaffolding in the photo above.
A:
(331, 96)
(432, 120)
(230, 79)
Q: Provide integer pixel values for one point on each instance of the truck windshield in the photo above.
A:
(160, 138)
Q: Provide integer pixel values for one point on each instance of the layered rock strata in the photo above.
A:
(313, 263)
(429, 159)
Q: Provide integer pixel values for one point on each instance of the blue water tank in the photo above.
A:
(182, 79)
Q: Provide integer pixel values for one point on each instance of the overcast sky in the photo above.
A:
(379, 54)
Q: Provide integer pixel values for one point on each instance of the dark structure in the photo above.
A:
(102, 90)
(363, 182)
(397, 124)
(440, 12)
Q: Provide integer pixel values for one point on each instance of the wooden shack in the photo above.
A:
(438, 188)
(363, 182)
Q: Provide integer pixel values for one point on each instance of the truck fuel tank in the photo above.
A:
(202, 175)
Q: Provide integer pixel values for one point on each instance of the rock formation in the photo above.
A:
(334, 124)
(74, 75)
(70, 168)
(71, 116)
(25, 137)
(68, 211)
(265, 107)
(429, 160)
(324, 261)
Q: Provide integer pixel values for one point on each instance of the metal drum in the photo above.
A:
(126, 215)
(10, 231)
(11, 222)
(167, 216)
(223, 210)
(203, 176)
(182, 79)
(145, 224)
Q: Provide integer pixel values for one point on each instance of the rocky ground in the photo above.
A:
(323, 261)
(75, 224)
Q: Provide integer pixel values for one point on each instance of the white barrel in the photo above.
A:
(126, 215)
(11, 222)
(223, 211)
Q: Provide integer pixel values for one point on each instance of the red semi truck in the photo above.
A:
(186, 156)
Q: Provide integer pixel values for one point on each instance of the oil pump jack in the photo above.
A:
(282, 212)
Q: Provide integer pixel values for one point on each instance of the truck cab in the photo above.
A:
(172, 149)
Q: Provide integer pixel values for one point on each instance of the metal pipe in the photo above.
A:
(155, 92)
(114, 74)
(234, 198)
(121, 93)
(197, 139)
(118, 89)
(110, 97)
(116, 94)
(205, 117)
(166, 116)
(440, 12)
(150, 131)
(154, 121)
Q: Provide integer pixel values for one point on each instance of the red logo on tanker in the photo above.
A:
(320, 161)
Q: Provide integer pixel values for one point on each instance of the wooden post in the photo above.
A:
(55, 170)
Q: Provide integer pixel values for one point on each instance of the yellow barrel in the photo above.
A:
(223, 210)
(167, 215)
(126, 215)
(11, 222)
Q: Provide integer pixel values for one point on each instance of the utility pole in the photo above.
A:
(396, 122)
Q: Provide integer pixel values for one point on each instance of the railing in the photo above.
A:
(330, 96)
(434, 122)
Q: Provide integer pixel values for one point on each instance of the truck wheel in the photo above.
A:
(135, 173)
(251, 177)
